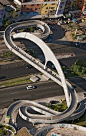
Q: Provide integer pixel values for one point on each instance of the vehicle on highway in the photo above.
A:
(2, 77)
(15, 99)
(30, 87)
(29, 66)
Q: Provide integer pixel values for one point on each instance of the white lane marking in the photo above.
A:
(14, 93)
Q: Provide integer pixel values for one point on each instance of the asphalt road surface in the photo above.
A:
(79, 81)
(43, 90)
(16, 71)
(19, 68)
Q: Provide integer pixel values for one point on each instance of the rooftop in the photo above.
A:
(23, 132)
(26, 1)
(9, 8)
(1, 6)
(5, 2)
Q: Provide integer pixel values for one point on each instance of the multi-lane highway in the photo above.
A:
(16, 70)
(19, 68)
(43, 90)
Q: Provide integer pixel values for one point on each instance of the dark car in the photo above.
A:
(84, 94)
(79, 44)
(53, 102)
(29, 66)
(15, 99)
(2, 77)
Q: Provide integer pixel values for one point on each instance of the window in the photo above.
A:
(51, 8)
(46, 7)
(32, 5)
(45, 11)
(35, 8)
(24, 5)
(62, 2)
(60, 6)
(59, 11)
(53, 3)
(80, 2)
(37, 4)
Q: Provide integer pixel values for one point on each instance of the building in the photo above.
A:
(48, 9)
(12, 9)
(41, 7)
(9, 11)
(82, 5)
(2, 12)
(17, 10)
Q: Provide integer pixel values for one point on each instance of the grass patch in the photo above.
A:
(81, 123)
(58, 107)
(16, 81)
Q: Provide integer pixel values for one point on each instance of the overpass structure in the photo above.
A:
(46, 115)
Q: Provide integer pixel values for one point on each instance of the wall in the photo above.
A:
(49, 8)
(81, 4)
(16, 12)
(30, 8)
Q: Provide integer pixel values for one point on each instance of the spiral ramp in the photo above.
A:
(45, 115)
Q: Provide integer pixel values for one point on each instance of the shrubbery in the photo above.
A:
(58, 107)
(79, 66)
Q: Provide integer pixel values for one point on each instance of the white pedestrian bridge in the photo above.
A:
(47, 115)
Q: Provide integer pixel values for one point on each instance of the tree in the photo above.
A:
(31, 29)
(6, 22)
(83, 70)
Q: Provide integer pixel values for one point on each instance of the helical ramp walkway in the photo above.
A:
(46, 115)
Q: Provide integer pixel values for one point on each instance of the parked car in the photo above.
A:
(78, 21)
(50, 38)
(84, 94)
(62, 100)
(79, 44)
(53, 102)
(30, 87)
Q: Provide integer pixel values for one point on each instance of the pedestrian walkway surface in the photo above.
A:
(66, 132)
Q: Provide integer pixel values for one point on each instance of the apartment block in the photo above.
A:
(38, 7)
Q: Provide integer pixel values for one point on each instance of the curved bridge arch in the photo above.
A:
(49, 57)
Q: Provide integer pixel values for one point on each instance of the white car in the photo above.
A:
(30, 87)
